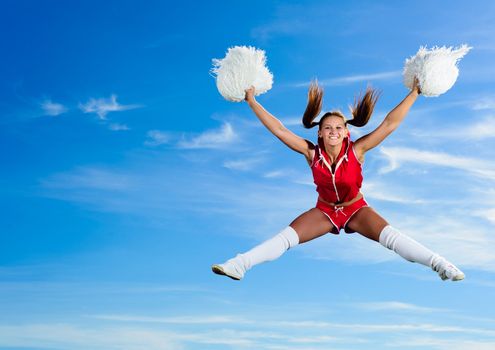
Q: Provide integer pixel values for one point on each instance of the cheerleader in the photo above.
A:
(336, 163)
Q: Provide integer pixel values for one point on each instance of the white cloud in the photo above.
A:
(66, 336)
(52, 108)
(351, 79)
(118, 127)
(283, 26)
(242, 164)
(156, 138)
(488, 214)
(65, 288)
(484, 128)
(275, 174)
(395, 306)
(484, 103)
(399, 155)
(212, 319)
(361, 78)
(254, 333)
(384, 192)
(102, 106)
(88, 178)
(442, 344)
(292, 121)
(469, 245)
(211, 139)
(266, 324)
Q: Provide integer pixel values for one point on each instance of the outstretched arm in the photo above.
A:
(389, 124)
(278, 129)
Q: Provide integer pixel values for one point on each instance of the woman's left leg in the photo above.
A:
(370, 224)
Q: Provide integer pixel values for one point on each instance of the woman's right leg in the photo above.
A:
(311, 224)
(307, 226)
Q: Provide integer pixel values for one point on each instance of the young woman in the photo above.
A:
(336, 165)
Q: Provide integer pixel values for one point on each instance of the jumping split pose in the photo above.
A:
(336, 163)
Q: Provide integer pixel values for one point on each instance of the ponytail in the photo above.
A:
(363, 108)
(361, 111)
(315, 101)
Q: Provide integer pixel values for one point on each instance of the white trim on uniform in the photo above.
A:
(329, 218)
(355, 155)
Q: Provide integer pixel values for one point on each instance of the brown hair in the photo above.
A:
(361, 111)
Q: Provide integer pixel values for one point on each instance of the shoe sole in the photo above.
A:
(219, 271)
(458, 277)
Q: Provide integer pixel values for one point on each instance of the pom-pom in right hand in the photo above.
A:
(241, 68)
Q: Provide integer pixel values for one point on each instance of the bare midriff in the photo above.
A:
(344, 204)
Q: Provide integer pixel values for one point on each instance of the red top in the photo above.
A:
(344, 182)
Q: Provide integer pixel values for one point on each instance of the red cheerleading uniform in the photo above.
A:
(338, 185)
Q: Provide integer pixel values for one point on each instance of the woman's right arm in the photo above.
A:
(278, 129)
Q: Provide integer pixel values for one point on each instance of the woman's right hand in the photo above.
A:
(249, 94)
(416, 88)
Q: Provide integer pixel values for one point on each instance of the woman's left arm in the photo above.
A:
(389, 124)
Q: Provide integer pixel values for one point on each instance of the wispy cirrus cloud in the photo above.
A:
(63, 336)
(218, 138)
(400, 155)
(488, 214)
(383, 191)
(88, 178)
(60, 289)
(442, 344)
(275, 174)
(351, 79)
(483, 128)
(242, 164)
(395, 306)
(484, 103)
(274, 324)
(118, 127)
(53, 109)
(103, 106)
(253, 334)
(208, 319)
(157, 138)
(285, 22)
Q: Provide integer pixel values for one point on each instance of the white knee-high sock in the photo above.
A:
(408, 248)
(270, 249)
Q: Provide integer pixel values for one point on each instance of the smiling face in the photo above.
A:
(332, 130)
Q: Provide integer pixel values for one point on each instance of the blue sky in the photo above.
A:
(125, 175)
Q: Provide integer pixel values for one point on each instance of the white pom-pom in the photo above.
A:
(241, 68)
(436, 69)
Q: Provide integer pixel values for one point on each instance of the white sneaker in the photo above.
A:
(448, 271)
(229, 269)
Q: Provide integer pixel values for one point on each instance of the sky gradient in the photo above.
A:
(125, 175)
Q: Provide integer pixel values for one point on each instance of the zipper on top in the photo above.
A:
(336, 168)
